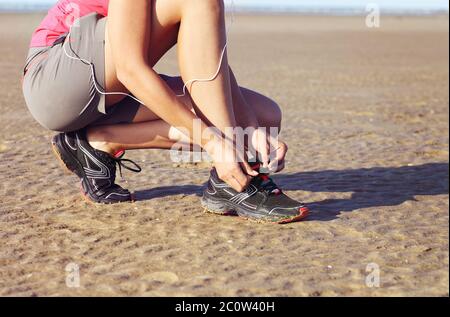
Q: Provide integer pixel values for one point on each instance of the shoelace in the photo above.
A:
(118, 158)
(264, 182)
(268, 185)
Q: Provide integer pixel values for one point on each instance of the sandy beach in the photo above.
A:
(366, 118)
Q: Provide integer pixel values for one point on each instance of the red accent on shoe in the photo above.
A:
(119, 153)
(304, 210)
(277, 192)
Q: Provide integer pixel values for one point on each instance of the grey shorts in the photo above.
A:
(60, 92)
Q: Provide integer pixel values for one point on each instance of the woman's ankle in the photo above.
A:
(97, 138)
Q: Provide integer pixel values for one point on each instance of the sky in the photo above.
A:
(393, 4)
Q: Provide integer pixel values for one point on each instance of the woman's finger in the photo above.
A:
(264, 153)
(276, 166)
(280, 151)
(264, 150)
(261, 145)
(278, 163)
(248, 169)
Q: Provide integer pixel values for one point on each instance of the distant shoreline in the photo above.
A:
(343, 13)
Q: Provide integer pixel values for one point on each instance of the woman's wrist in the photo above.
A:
(212, 145)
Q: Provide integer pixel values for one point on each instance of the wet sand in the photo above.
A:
(366, 118)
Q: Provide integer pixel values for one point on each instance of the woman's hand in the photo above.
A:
(230, 164)
(277, 163)
(270, 150)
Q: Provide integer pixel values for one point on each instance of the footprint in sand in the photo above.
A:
(163, 277)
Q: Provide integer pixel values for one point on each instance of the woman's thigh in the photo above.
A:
(166, 18)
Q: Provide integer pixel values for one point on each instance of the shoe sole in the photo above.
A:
(73, 167)
(222, 208)
(217, 208)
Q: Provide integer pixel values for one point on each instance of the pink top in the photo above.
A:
(61, 16)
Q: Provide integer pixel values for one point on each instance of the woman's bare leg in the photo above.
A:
(201, 40)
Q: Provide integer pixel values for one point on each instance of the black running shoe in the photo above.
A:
(262, 201)
(96, 169)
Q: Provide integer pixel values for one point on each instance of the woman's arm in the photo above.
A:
(129, 24)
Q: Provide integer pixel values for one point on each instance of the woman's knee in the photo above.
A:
(269, 114)
(267, 111)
